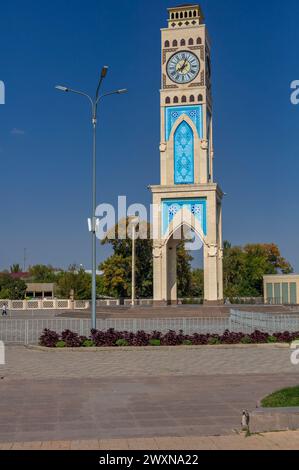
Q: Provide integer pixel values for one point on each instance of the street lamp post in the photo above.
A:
(134, 221)
(94, 108)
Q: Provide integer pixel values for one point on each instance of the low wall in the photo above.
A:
(274, 419)
(55, 304)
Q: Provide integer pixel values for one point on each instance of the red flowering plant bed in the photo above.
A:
(112, 338)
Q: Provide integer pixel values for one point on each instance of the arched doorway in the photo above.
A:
(179, 217)
(182, 248)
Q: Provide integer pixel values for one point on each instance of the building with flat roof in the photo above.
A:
(281, 289)
(40, 290)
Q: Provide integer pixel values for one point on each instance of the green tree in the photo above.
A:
(77, 281)
(184, 276)
(15, 268)
(197, 283)
(42, 273)
(117, 276)
(13, 289)
(244, 268)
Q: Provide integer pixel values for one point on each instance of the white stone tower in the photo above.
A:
(187, 195)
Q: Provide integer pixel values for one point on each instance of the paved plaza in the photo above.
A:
(135, 394)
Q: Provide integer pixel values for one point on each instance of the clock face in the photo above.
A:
(183, 67)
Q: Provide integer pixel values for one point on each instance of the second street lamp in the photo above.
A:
(94, 108)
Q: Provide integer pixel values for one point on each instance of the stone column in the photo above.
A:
(172, 272)
(157, 273)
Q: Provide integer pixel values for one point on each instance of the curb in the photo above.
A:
(161, 348)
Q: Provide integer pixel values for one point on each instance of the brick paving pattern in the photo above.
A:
(135, 394)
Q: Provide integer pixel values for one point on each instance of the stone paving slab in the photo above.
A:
(127, 395)
(288, 440)
(118, 407)
(26, 363)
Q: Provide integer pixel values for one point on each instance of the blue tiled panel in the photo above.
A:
(173, 113)
(184, 155)
(170, 207)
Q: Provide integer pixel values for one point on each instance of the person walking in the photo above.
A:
(4, 310)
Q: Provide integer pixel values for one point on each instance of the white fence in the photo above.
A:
(247, 322)
(55, 304)
(28, 331)
(23, 331)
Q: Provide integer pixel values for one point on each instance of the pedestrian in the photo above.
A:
(4, 311)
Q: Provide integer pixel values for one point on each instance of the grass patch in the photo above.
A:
(154, 342)
(287, 397)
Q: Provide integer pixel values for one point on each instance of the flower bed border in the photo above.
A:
(111, 338)
(161, 348)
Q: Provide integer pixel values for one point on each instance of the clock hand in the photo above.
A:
(183, 66)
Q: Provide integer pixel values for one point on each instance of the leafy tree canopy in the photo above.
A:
(244, 268)
(10, 288)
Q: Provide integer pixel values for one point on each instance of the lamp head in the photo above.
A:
(61, 88)
(104, 71)
(123, 90)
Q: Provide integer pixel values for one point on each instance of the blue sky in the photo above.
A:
(45, 140)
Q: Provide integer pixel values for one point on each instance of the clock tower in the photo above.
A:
(187, 198)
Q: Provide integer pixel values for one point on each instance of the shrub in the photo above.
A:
(231, 338)
(155, 342)
(141, 339)
(156, 335)
(199, 340)
(105, 338)
(213, 340)
(60, 344)
(246, 340)
(171, 339)
(258, 337)
(122, 342)
(187, 342)
(71, 339)
(272, 339)
(88, 343)
(112, 338)
(49, 338)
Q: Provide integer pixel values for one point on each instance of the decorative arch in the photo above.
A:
(175, 116)
(192, 99)
(175, 43)
(167, 100)
(184, 154)
(190, 42)
(184, 99)
(175, 100)
(185, 215)
(167, 44)
(183, 42)
(198, 41)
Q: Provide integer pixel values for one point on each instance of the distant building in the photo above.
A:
(281, 289)
(40, 290)
(20, 275)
